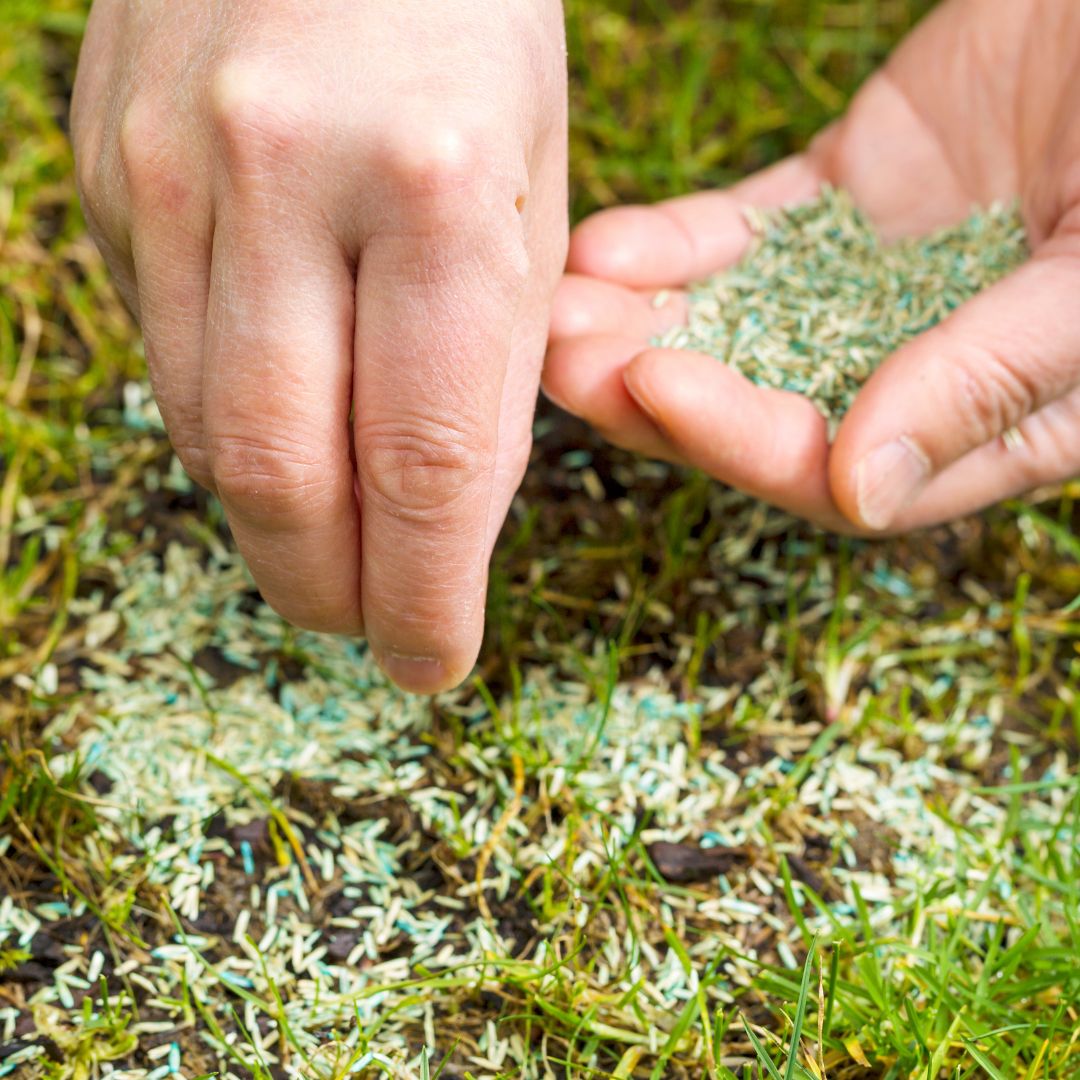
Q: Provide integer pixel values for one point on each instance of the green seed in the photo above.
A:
(821, 300)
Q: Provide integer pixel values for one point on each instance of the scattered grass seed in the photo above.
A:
(821, 300)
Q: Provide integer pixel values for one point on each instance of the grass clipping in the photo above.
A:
(821, 300)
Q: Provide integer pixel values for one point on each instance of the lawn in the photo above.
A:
(727, 797)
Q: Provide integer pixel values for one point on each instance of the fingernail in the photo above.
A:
(639, 396)
(888, 480)
(417, 674)
(555, 399)
(645, 404)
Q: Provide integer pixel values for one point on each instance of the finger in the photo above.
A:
(1005, 354)
(545, 221)
(277, 392)
(436, 304)
(768, 443)
(1042, 449)
(585, 305)
(163, 221)
(680, 240)
(171, 257)
(584, 376)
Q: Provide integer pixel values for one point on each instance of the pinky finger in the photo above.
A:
(171, 240)
(173, 274)
(688, 237)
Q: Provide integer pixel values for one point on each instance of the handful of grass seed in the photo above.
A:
(821, 300)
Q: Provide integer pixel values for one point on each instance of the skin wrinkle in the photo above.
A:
(467, 250)
(1040, 434)
(458, 331)
(433, 478)
(997, 395)
(238, 303)
(250, 455)
(1057, 425)
(975, 76)
(460, 280)
(929, 129)
(688, 235)
(1018, 470)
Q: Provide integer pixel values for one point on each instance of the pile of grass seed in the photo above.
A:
(821, 300)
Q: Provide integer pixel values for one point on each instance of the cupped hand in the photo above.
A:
(340, 226)
(981, 103)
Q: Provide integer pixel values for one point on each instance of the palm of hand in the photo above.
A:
(981, 103)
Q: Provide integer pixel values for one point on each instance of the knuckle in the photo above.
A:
(268, 481)
(1060, 422)
(140, 144)
(1047, 450)
(255, 115)
(441, 160)
(423, 470)
(994, 393)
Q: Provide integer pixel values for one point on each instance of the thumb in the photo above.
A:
(1005, 354)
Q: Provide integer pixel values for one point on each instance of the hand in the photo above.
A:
(340, 226)
(981, 103)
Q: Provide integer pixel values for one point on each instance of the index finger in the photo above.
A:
(436, 301)
(689, 237)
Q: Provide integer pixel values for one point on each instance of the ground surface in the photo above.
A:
(743, 799)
